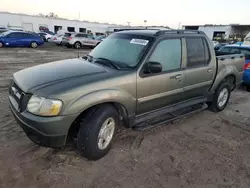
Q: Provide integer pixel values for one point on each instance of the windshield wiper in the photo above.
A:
(104, 61)
(88, 57)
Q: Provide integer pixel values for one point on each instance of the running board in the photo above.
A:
(169, 117)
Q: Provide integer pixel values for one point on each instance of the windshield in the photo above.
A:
(49, 32)
(122, 49)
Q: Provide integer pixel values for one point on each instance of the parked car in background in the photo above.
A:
(243, 49)
(214, 42)
(101, 37)
(20, 39)
(218, 46)
(3, 29)
(79, 40)
(46, 35)
(57, 39)
(138, 79)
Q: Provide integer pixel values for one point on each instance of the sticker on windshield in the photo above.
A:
(139, 41)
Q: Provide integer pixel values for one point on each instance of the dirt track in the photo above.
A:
(205, 150)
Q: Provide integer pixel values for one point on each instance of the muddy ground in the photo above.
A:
(205, 150)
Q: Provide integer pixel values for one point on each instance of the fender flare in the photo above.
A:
(89, 100)
(226, 71)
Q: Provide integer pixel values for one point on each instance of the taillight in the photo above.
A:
(247, 66)
(54, 38)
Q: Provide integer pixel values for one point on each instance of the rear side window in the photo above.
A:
(81, 35)
(67, 34)
(197, 52)
(235, 51)
(226, 49)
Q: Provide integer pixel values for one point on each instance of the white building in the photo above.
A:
(33, 23)
(222, 31)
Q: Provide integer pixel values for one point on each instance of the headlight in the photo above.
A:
(44, 107)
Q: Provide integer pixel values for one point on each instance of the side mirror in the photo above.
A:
(153, 67)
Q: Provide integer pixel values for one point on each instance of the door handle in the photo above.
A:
(209, 70)
(176, 77)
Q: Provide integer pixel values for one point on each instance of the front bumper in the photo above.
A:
(45, 131)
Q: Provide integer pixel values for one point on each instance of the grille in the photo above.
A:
(20, 97)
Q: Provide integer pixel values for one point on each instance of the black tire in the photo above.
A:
(1, 44)
(48, 39)
(214, 106)
(77, 45)
(90, 126)
(33, 45)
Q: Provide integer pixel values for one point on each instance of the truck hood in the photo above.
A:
(37, 77)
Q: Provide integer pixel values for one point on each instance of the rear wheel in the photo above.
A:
(221, 97)
(1, 44)
(77, 45)
(96, 132)
(33, 45)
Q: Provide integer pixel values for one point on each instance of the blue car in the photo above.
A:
(243, 49)
(20, 39)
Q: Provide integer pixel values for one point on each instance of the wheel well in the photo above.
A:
(123, 118)
(78, 42)
(231, 79)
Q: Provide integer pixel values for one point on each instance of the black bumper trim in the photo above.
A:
(55, 141)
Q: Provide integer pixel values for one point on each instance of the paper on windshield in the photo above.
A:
(139, 41)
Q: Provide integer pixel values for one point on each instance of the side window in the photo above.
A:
(225, 49)
(13, 35)
(235, 51)
(246, 52)
(26, 35)
(81, 35)
(168, 53)
(197, 52)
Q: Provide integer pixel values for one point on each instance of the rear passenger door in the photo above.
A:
(26, 39)
(82, 38)
(200, 68)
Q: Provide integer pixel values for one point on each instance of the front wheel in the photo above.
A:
(221, 97)
(96, 132)
(33, 45)
(77, 45)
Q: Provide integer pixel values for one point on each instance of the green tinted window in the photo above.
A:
(123, 49)
(168, 53)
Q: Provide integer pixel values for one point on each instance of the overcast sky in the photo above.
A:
(156, 12)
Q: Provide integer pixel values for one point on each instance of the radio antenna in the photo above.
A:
(78, 52)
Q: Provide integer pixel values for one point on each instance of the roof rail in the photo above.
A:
(161, 32)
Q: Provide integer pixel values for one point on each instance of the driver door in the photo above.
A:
(155, 91)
